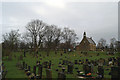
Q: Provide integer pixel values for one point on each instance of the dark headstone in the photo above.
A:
(76, 62)
(28, 68)
(40, 71)
(0, 69)
(70, 68)
(63, 62)
(23, 65)
(48, 73)
(87, 69)
(24, 54)
(34, 70)
(45, 64)
(61, 54)
(61, 76)
(118, 61)
(63, 69)
(115, 73)
(101, 71)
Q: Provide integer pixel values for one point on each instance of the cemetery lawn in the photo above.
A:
(14, 72)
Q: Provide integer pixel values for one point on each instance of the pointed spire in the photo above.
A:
(84, 34)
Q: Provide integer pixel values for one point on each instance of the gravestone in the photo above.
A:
(76, 62)
(115, 73)
(61, 76)
(48, 73)
(0, 68)
(87, 69)
(101, 71)
(118, 61)
(21, 57)
(63, 62)
(45, 64)
(49, 65)
(24, 54)
(34, 70)
(23, 65)
(70, 68)
(63, 69)
(40, 71)
(28, 68)
(61, 54)
(38, 63)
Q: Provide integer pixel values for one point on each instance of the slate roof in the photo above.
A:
(90, 40)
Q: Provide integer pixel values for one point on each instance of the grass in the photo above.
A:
(13, 71)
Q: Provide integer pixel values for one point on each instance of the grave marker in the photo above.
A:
(34, 70)
(40, 71)
(48, 73)
(115, 73)
(23, 65)
(24, 54)
(28, 68)
(101, 71)
(61, 76)
(70, 68)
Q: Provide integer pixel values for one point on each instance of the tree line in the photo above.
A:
(39, 35)
(42, 36)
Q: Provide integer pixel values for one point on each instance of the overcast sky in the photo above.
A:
(98, 19)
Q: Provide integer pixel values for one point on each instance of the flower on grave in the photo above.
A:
(88, 74)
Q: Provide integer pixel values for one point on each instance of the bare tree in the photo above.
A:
(49, 37)
(69, 37)
(112, 43)
(101, 43)
(35, 29)
(57, 36)
(11, 41)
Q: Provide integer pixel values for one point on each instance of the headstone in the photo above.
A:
(48, 73)
(23, 65)
(87, 69)
(63, 62)
(70, 68)
(28, 68)
(61, 76)
(38, 63)
(118, 61)
(0, 69)
(63, 69)
(49, 65)
(115, 73)
(40, 55)
(40, 71)
(61, 54)
(24, 54)
(101, 71)
(76, 62)
(45, 64)
(21, 57)
(34, 70)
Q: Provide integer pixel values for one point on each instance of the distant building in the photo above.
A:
(87, 44)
